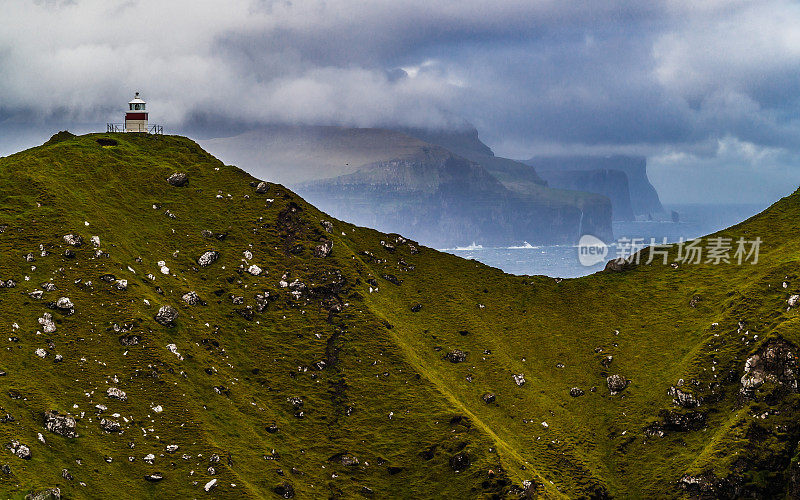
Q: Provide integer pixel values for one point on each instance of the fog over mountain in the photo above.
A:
(706, 91)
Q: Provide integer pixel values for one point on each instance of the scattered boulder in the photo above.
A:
(519, 379)
(576, 392)
(210, 485)
(323, 249)
(178, 179)
(416, 307)
(129, 340)
(488, 397)
(793, 300)
(63, 425)
(64, 305)
(109, 425)
(684, 399)
(116, 393)
(616, 383)
(154, 477)
(254, 270)
(327, 225)
(262, 187)
(456, 356)
(349, 460)
(48, 494)
(166, 315)
(48, 325)
(262, 301)
(192, 299)
(707, 485)
(696, 299)
(618, 265)
(21, 450)
(208, 258)
(73, 239)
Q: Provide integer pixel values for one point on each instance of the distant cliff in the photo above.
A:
(611, 183)
(556, 170)
(393, 181)
(445, 200)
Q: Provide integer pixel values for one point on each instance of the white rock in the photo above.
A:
(48, 325)
(95, 241)
(254, 270)
(210, 485)
(41, 352)
(113, 392)
(174, 350)
(793, 300)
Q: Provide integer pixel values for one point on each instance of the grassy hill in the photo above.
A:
(359, 364)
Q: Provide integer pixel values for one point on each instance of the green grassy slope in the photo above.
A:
(371, 372)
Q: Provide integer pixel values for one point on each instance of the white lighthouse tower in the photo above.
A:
(136, 115)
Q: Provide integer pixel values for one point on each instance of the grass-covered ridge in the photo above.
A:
(385, 411)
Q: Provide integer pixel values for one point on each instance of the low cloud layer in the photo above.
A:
(677, 80)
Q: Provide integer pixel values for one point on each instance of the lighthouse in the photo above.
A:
(136, 115)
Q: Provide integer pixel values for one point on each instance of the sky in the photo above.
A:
(708, 91)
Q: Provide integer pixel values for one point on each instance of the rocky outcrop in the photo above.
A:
(47, 494)
(166, 315)
(776, 362)
(178, 179)
(616, 383)
(63, 425)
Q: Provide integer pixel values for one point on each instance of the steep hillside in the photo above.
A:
(312, 358)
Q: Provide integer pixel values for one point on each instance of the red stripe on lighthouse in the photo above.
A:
(136, 116)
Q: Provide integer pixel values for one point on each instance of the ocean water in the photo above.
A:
(562, 260)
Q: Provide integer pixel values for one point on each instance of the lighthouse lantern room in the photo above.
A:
(136, 115)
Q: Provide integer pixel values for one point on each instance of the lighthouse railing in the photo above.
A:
(153, 129)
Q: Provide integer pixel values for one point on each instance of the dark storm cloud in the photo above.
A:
(671, 79)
